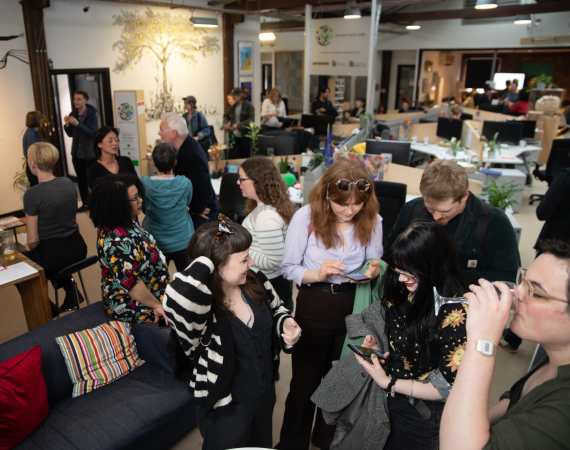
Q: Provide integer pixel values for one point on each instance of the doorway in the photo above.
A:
(405, 82)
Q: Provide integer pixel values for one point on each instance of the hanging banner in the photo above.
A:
(340, 46)
(127, 111)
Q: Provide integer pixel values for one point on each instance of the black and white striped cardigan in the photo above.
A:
(205, 334)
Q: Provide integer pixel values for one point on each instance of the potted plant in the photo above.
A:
(541, 82)
(494, 145)
(20, 177)
(254, 133)
(317, 159)
(455, 146)
(500, 195)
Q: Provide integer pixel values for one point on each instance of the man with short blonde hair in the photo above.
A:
(482, 235)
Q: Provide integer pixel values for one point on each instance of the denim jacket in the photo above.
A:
(199, 124)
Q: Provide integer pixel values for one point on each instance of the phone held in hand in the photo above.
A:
(162, 322)
(366, 352)
(357, 277)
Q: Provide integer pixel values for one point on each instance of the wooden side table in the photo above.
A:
(34, 293)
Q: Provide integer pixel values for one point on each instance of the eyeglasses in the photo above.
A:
(137, 199)
(529, 291)
(344, 185)
(408, 277)
(241, 180)
(224, 226)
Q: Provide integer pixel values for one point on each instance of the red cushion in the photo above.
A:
(23, 397)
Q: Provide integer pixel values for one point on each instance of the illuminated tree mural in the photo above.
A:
(163, 36)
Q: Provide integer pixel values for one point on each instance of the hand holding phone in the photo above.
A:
(366, 352)
(357, 277)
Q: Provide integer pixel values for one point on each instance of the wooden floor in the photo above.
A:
(508, 369)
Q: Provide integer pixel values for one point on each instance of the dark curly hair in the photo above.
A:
(98, 137)
(109, 203)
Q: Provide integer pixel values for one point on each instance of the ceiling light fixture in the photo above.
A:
(413, 25)
(486, 4)
(269, 36)
(352, 12)
(523, 19)
(203, 22)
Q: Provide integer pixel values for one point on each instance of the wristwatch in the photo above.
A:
(486, 348)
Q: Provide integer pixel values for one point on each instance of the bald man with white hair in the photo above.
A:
(191, 162)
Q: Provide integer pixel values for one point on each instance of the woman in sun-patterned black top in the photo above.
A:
(424, 350)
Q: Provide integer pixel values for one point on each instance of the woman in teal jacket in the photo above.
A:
(166, 207)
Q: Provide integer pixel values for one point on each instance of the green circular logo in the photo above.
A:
(324, 35)
(125, 111)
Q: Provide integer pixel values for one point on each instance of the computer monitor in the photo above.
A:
(510, 132)
(528, 128)
(465, 116)
(500, 79)
(449, 128)
(318, 123)
(400, 150)
(276, 145)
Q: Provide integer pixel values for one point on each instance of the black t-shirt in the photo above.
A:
(98, 170)
(55, 204)
(330, 109)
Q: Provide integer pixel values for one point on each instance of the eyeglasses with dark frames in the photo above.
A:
(241, 180)
(137, 199)
(410, 278)
(224, 226)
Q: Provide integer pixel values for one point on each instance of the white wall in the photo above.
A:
(16, 98)
(400, 57)
(85, 40)
(249, 31)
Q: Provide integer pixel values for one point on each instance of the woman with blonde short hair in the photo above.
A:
(54, 241)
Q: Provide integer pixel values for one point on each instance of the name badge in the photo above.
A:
(472, 263)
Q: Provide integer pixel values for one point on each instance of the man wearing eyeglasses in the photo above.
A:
(483, 236)
(191, 162)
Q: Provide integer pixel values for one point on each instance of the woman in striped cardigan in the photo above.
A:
(271, 210)
(229, 325)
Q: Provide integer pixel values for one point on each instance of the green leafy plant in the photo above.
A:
(254, 133)
(21, 177)
(283, 165)
(542, 79)
(500, 195)
(494, 145)
(317, 159)
(364, 118)
(455, 146)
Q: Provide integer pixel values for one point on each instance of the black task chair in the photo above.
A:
(232, 203)
(69, 271)
(559, 159)
(391, 197)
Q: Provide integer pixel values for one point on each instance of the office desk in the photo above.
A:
(34, 293)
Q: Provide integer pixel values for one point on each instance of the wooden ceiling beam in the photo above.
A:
(472, 13)
(278, 4)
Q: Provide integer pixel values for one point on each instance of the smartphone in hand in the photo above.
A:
(366, 352)
(357, 277)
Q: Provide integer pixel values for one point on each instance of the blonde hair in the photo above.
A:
(44, 155)
(274, 92)
(444, 179)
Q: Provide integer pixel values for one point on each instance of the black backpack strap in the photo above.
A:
(482, 224)
(418, 209)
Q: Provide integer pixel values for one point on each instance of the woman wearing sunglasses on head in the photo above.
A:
(424, 350)
(133, 270)
(535, 413)
(331, 237)
(228, 329)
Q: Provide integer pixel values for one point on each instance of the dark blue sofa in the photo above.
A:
(146, 409)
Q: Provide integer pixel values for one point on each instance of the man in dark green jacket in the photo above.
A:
(236, 119)
(483, 237)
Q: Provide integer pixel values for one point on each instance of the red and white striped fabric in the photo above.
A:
(99, 356)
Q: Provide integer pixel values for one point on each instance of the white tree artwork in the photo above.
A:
(161, 36)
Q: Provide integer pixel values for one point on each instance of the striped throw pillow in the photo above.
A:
(99, 356)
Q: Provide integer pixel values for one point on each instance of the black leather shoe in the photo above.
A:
(83, 208)
(69, 301)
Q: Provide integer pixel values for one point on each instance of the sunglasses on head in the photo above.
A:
(224, 226)
(344, 185)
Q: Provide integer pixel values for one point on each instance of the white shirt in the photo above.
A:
(268, 106)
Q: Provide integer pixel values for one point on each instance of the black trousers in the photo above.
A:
(250, 425)
(409, 431)
(241, 149)
(284, 290)
(180, 259)
(321, 317)
(58, 253)
(81, 168)
(31, 177)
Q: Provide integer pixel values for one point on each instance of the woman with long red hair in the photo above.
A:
(331, 237)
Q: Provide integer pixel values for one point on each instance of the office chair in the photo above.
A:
(232, 203)
(391, 197)
(559, 159)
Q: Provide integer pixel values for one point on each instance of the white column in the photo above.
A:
(374, 19)
(307, 61)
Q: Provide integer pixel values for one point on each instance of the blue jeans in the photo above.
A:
(199, 220)
(512, 339)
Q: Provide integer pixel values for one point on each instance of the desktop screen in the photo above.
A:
(500, 79)
(400, 150)
(448, 128)
(509, 132)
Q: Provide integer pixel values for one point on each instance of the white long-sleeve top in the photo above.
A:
(268, 230)
(271, 121)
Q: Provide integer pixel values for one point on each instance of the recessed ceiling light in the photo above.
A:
(486, 4)
(413, 25)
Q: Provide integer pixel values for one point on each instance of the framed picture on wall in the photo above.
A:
(246, 85)
(245, 58)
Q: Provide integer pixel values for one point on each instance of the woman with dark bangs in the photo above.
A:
(333, 236)
(271, 210)
(423, 350)
(228, 329)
